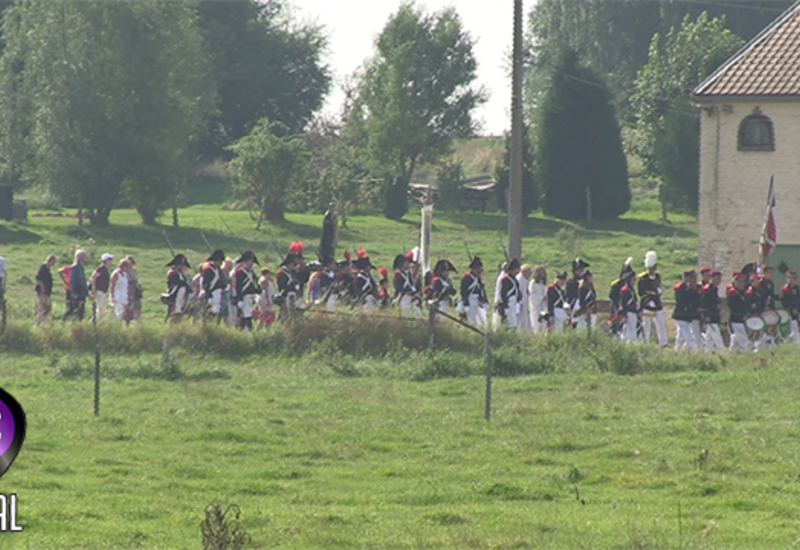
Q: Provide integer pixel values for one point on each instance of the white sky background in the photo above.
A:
(352, 25)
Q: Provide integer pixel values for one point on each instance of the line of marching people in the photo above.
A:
(750, 315)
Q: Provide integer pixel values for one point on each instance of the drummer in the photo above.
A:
(737, 303)
(761, 296)
(790, 299)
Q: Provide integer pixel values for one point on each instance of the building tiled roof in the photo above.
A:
(768, 66)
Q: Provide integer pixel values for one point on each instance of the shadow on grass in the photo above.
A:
(14, 234)
(640, 228)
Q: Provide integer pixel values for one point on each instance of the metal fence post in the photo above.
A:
(431, 324)
(96, 362)
(487, 352)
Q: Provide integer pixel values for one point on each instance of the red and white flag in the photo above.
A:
(769, 234)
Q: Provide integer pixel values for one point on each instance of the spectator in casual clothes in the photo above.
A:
(78, 289)
(99, 285)
(64, 274)
(136, 292)
(120, 291)
(44, 290)
(3, 269)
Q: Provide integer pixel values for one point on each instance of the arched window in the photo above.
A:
(756, 132)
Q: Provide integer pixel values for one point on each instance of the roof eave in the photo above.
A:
(719, 98)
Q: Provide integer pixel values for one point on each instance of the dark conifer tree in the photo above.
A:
(502, 173)
(579, 146)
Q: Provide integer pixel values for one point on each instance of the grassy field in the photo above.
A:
(578, 458)
(352, 435)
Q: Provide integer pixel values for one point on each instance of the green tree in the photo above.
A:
(99, 97)
(667, 135)
(502, 173)
(414, 96)
(579, 152)
(265, 63)
(267, 163)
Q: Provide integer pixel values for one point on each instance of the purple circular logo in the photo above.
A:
(7, 428)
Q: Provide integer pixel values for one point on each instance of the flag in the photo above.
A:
(769, 234)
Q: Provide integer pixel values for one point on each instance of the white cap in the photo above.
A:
(107, 257)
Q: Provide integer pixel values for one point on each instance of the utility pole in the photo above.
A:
(515, 176)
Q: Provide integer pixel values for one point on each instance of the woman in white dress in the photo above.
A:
(524, 319)
(538, 300)
(120, 291)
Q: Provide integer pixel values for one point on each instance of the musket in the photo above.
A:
(239, 248)
(503, 244)
(278, 250)
(171, 249)
(469, 254)
(208, 244)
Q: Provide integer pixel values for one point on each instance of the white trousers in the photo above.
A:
(713, 339)
(512, 312)
(476, 312)
(180, 301)
(101, 299)
(795, 334)
(739, 339)
(119, 310)
(524, 318)
(560, 317)
(631, 320)
(246, 305)
(584, 321)
(407, 307)
(369, 303)
(654, 318)
(688, 335)
(216, 301)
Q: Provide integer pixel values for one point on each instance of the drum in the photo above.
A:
(771, 321)
(785, 324)
(754, 327)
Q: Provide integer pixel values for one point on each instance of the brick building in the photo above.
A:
(750, 131)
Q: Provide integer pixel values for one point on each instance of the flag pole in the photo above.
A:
(769, 231)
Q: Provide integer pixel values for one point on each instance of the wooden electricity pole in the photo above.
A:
(515, 179)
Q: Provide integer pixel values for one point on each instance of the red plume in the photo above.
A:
(296, 248)
(361, 252)
(410, 255)
(347, 255)
(384, 272)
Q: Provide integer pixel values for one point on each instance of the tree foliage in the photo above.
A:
(579, 146)
(414, 96)
(99, 97)
(667, 136)
(502, 173)
(265, 64)
(614, 37)
(268, 162)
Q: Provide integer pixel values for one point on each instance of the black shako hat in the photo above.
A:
(475, 263)
(179, 259)
(513, 264)
(248, 255)
(442, 265)
(217, 256)
(577, 264)
(363, 263)
(399, 260)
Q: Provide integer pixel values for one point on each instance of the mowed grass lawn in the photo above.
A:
(316, 460)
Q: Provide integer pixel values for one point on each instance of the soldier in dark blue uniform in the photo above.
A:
(736, 296)
(711, 311)
(474, 301)
(246, 289)
(441, 290)
(790, 299)
(179, 287)
(687, 312)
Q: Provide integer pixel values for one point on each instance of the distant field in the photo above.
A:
(315, 459)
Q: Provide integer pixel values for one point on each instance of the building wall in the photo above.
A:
(734, 184)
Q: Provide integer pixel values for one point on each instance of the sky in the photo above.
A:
(353, 25)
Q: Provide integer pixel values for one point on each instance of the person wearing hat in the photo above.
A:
(705, 277)
(649, 288)
(441, 289)
(510, 296)
(557, 305)
(246, 289)
(44, 290)
(524, 318)
(761, 293)
(99, 284)
(179, 287)
(405, 288)
(214, 282)
(629, 306)
(585, 309)
(790, 299)
(383, 285)
(367, 293)
(736, 297)
(571, 289)
(617, 315)
(326, 280)
(473, 302)
(537, 290)
(687, 312)
(711, 310)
